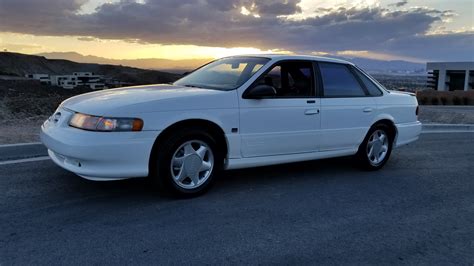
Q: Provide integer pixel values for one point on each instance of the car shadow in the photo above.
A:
(231, 180)
(65, 190)
(283, 171)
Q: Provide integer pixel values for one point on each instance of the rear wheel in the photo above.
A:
(376, 148)
(186, 163)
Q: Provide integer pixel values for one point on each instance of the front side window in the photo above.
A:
(224, 74)
(338, 81)
(290, 79)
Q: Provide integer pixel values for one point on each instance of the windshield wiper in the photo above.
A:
(193, 86)
(201, 87)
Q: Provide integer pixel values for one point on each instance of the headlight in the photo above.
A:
(97, 123)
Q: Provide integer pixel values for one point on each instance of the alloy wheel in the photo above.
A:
(192, 164)
(377, 147)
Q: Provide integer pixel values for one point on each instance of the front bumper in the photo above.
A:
(99, 155)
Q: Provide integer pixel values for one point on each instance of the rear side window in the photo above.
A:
(338, 81)
(369, 84)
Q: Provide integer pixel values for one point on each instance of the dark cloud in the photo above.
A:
(453, 46)
(220, 23)
(86, 39)
(272, 7)
(400, 4)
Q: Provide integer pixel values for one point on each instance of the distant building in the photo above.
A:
(90, 80)
(43, 78)
(450, 76)
(77, 79)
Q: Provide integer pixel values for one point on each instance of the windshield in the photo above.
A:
(224, 74)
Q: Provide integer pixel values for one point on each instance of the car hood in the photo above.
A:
(150, 98)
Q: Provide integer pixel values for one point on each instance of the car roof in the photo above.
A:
(297, 57)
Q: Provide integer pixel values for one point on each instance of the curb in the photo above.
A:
(34, 159)
(447, 128)
(20, 144)
(22, 151)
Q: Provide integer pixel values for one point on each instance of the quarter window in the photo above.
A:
(338, 81)
(369, 84)
(290, 79)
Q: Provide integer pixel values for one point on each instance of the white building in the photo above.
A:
(77, 79)
(90, 80)
(43, 78)
(64, 81)
(451, 76)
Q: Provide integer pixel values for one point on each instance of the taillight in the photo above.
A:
(417, 110)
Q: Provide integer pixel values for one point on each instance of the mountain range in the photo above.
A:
(146, 63)
(179, 66)
(15, 64)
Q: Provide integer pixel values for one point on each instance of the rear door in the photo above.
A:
(347, 108)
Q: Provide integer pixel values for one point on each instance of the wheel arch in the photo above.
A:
(211, 127)
(391, 125)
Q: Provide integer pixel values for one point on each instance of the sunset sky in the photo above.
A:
(413, 30)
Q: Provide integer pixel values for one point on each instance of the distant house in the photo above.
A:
(77, 79)
(43, 78)
(90, 80)
(451, 76)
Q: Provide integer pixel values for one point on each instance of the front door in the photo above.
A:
(286, 123)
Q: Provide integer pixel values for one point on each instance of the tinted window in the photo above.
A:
(290, 79)
(224, 74)
(371, 87)
(338, 81)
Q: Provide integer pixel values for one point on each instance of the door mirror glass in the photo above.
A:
(261, 91)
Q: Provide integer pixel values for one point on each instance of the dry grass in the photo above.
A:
(24, 105)
(21, 130)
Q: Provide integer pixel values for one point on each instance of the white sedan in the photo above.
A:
(235, 112)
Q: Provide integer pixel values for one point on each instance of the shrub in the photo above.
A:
(424, 100)
(444, 100)
(456, 100)
(427, 97)
(465, 100)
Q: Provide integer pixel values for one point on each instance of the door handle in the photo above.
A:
(311, 112)
(367, 110)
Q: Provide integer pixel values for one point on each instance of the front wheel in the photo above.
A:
(376, 148)
(186, 163)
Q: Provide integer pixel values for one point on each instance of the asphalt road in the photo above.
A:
(418, 210)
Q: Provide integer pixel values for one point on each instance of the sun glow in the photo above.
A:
(117, 49)
(376, 56)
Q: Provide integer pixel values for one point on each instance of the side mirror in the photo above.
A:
(260, 91)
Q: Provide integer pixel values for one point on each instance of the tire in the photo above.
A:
(180, 179)
(376, 148)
